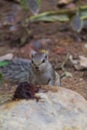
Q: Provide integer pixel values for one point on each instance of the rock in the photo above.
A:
(8, 56)
(84, 48)
(60, 110)
(80, 63)
(65, 1)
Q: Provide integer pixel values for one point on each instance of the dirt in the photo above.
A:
(63, 41)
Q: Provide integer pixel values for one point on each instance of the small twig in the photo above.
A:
(64, 62)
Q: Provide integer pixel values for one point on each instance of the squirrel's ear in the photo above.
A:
(46, 53)
(33, 53)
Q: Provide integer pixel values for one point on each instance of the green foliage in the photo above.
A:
(76, 16)
(24, 4)
(4, 63)
(1, 78)
(77, 23)
(38, 1)
(32, 4)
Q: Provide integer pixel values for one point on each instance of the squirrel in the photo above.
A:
(37, 71)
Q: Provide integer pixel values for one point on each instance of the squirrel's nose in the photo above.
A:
(37, 68)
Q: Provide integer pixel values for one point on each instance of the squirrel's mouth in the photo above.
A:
(37, 69)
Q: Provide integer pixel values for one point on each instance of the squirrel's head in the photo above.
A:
(39, 61)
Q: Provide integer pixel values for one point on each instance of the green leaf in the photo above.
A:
(77, 23)
(64, 15)
(50, 16)
(4, 63)
(24, 4)
(34, 6)
(39, 2)
(1, 77)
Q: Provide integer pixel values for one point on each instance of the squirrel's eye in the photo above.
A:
(43, 60)
(32, 61)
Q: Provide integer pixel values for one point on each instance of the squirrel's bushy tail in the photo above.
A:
(18, 70)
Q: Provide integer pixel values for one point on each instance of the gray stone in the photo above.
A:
(61, 110)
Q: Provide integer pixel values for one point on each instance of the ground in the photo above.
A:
(63, 41)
